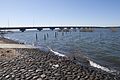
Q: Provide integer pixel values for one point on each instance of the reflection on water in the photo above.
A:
(101, 45)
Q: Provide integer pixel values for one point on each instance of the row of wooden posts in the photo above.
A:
(69, 30)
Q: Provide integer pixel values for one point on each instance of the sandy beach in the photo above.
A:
(27, 63)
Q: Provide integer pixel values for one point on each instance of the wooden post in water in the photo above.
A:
(100, 39)
(44, 37)
(55, 34)
(36, 37)
(62, 33)
(79, 35)
(47, 35)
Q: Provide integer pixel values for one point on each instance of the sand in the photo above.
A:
(7, 48)
(15, 46)
(8, 53)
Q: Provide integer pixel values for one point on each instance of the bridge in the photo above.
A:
(22, 29)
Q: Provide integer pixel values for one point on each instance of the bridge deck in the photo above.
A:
(3, 28)
(22, 29)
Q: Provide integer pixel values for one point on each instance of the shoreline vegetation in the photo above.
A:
(35, 64)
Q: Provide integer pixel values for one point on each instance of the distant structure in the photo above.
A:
(113, 29)
(86, 30)
(82, 28)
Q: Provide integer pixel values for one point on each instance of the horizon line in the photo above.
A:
(58, 25)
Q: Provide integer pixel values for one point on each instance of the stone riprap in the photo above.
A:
(34, 64)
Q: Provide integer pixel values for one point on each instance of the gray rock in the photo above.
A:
(34, 74)
(27, 75)
(38, 70)
(56, 74)
(39, 79)
(30, 70)
(0, 78)
(68, 73)
(22, 70)
(35, 77)
(29, 78)
(23, 76)
(7, 76)
(17, 79)
(43, 75)
(13, 76)
(82, 79)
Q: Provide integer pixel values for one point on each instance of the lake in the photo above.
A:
(101, 46)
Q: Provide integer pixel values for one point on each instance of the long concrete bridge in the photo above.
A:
(22, 29)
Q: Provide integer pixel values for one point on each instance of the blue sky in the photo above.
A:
(59, 12)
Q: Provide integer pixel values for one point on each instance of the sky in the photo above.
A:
(59, 12)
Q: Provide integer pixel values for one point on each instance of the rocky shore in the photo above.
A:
(34, 64)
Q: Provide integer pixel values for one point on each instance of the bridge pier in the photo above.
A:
(52, 28)
(74, 27)
(68, 27)
(22, 29)
(39, 29)
(61, 28)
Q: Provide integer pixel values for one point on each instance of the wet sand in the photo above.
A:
(7, 43)
(7, 53)
(34, 64)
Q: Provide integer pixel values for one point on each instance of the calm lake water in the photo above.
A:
(102, 45)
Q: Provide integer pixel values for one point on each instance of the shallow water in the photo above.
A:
(102, 46)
